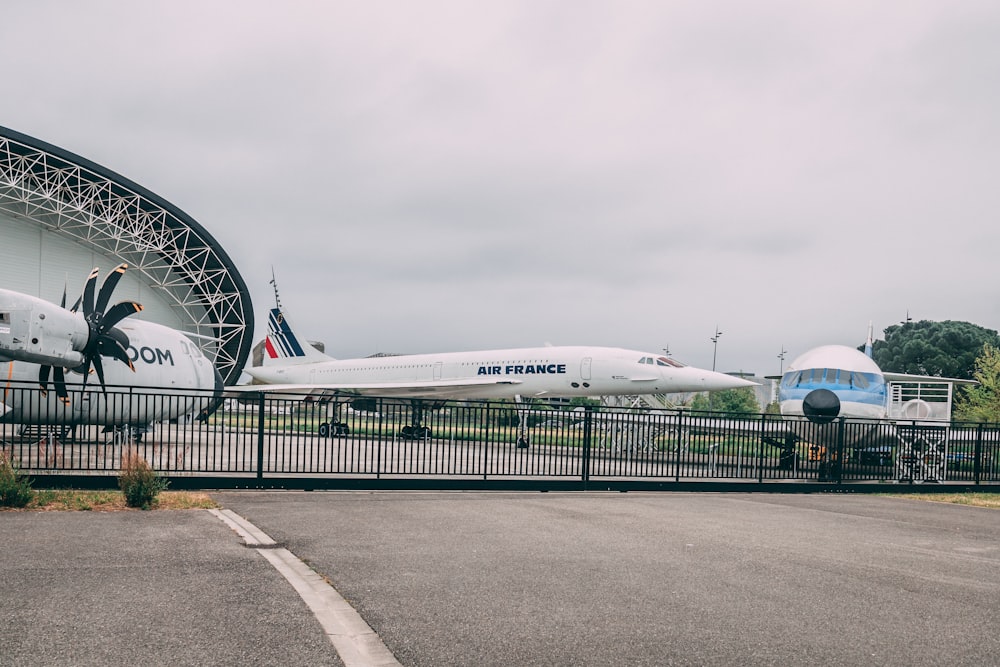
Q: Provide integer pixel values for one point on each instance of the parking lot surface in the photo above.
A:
(652, 578)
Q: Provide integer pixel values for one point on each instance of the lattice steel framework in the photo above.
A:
(102, 210)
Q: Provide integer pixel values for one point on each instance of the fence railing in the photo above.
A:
(272, 436)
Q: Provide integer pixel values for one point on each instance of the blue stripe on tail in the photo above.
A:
(282, 334)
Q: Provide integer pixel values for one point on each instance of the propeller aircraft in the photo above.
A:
(59, 348)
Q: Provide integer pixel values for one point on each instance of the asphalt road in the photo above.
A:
(145, 588)
(513, 578)
(652, 579)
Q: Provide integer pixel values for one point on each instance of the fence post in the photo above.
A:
(839, 465)
(587, 424)
(680, 445)
(260, 435)
(977, 469)
(760, 448)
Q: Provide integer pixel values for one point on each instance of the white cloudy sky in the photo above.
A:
(428, 176)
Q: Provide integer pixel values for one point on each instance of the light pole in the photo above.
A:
(781, 370)
(715, 344)
(715, 348)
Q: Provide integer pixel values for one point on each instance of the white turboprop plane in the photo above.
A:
(539, 372)
(40, 340)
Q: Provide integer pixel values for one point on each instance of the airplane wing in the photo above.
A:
(461, 388)
(907, 377)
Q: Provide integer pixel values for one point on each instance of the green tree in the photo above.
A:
(947, 349)
(981, 403)
(733, 403)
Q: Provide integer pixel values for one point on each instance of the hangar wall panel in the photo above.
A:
(40, 263)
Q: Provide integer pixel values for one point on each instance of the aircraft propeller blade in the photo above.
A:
(99, 368)
(43, 378)
(108, 287)
(59, 380)
(117, 313)
(88, 293)
(104, 339)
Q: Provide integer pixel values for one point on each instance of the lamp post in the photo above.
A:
(715, 348)
(715, 344)
(781, 371)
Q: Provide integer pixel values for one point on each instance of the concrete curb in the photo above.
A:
(355, 641)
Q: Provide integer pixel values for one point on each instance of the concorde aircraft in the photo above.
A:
(40, 340)
(540, 372)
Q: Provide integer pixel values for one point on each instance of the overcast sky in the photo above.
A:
(432, 176)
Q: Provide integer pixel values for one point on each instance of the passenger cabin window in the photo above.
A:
(4, 318)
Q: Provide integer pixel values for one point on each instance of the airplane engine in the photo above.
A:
(40, 332)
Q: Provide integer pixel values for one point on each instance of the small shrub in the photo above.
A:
(139, 483)
(15, 488)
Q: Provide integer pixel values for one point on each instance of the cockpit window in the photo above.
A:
(667, 361)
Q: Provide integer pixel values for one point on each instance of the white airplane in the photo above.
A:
(540, 372)
(39, 339)
(834, 381)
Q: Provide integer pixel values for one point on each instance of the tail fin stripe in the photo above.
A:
(283, 335)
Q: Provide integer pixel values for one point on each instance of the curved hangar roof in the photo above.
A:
(61, 215)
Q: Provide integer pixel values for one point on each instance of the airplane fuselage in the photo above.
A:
(543, 371)
(852, 376)
(165, 361)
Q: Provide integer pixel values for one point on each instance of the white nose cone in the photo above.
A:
(713, 381)
(690, 378)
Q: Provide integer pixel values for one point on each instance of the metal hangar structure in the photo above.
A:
(61, 215)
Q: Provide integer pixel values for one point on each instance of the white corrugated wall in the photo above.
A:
(39, 262)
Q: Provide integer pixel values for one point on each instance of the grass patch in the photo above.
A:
(111, 501)
(991, 500)
(15, 488)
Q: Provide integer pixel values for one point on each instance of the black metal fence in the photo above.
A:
(264, 440)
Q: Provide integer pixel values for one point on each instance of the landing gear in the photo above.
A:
(522, 420)
(416, 430)
(330, 429)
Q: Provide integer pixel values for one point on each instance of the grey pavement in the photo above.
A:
(469, 578)
(150, 588)
(652, 579)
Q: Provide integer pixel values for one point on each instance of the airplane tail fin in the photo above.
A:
(868, 343)
(283, 346)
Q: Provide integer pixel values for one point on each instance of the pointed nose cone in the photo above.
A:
(713, 381)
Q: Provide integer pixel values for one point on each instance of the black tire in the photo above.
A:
(324, 430)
